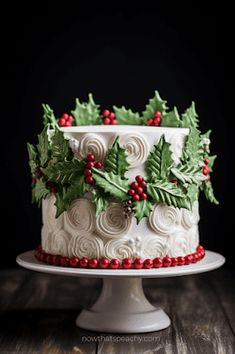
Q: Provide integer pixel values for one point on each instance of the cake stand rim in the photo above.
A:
(211, 261)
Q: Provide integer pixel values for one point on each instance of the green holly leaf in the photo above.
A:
(171, 119)
(155, 104)
(86, 113)
(192, 193)
(40, 191)
(33, 157)
(64, 172)
(76, 190)
(159, 162)
(49, 117)
(187, 174)
(211, 162)
(60, 149)
(126, 116)
(142, 209)
(60, 204)
(100, 200)
(168, 193)
(189, 118)
(116, 159)
(43, 147)
(111, 183)
(209, 192)
(193, 149)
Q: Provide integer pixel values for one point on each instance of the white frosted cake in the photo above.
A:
(120, 194)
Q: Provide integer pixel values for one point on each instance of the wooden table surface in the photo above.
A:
(38, 313)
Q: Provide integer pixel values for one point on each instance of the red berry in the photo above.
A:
(89, 179)
(65, 116)
(200, 255)
(34, 181)
(98, 165)
(111, 115)
(136, 197)
(87, 172)
(206, 161)
(143, 196)
(90, 164)
(174, 261)
(200, 248)
(138, 263)
(104, 262)
(56, 260)
(166, 261)
(156, 121)
(188, 259)
(67, 124)
(83, 262)
(49, 259)
(106, 121)
(139, 190)
(148, 263)
(134, 184)
(54, 189)
(62, 122)
(93, 263)
(126, 263)
(157, 262)
(38, 172)
(205, 170)
(142, 184)
(150, 121)
(113, 121)
(70, 119)
(90, 157)
(106, 113)
(139, 178)
(131, 192)
(195, 257)
(114, 264)
(181, 261)
(157, 114)
(64, 261)
(74, 261)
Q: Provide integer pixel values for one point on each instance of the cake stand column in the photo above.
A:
(123, 308)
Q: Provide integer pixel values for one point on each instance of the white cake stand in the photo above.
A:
(122, 306)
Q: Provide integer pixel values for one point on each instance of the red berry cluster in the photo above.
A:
(66, 120)
(137, 190)
(205, 169)
(109, 117)
(127, 263)
(90, 163)
(156, 120)
(52, 186)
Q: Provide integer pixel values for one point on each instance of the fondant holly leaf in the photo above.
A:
(171, 119)
(142, 209)
(193, 149)
(186, 174)
(155, 104)
(209, 192)
(192, 193)
(86, 113)
(76, 190)
(211, 162)
(126, 116)
(159, 162)
(116, 159)
(40, 191)
(100, 200)
(64, 172)
(189, 118)
(33, 157)
(111, 183)
(43, 147)
(168, 193)
(60, 204)
(49, 117)
(60, 149)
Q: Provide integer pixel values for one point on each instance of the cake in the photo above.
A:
(119, 189)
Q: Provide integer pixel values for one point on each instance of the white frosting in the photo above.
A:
(137, 148)
(177, 144)
(93, 143)
(85, 246)
(119, 249)
(112, 223)
(74, 145)
(49, 213)
(153, 245)
(190, 218)
(164, 219)
(56, 242)
(80, 217)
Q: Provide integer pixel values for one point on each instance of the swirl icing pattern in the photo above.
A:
(49, 213)
(137, 148)
(119, 249)
(190, 217)
(86, 246)
(153, 246)
(177, 244)
(176, 147)
(193, 239)
(164, 219)
(112, 223)
(80, 217)
(92, 143)
(56, 242)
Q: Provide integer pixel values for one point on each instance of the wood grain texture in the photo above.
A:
(38, 313)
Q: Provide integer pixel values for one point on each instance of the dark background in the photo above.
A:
(121, 57)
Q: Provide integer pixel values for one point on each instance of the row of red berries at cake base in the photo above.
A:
(126, 263)
(108, 118)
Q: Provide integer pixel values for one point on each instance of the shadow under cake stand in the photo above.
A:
(122, 306)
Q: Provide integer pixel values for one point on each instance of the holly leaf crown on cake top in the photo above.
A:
(56, 167)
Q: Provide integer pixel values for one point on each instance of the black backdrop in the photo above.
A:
(121, 57)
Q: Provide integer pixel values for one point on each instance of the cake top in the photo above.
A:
(71, 168)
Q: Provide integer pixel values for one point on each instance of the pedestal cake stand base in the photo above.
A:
(122, 306)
